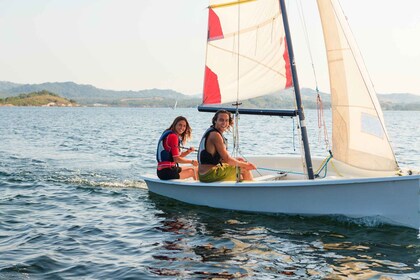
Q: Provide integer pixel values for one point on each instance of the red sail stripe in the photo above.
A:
(215, 31)
(289, 80)
(211, 92)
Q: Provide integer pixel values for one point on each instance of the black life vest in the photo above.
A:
(205, 157)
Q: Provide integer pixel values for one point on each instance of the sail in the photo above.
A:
(359, 136)
(246, 51)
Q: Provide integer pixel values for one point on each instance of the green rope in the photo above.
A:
(324, 166)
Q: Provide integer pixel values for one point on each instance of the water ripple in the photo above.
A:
(72, 206)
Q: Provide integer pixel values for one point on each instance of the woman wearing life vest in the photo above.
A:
(169, 155)
(215, 163)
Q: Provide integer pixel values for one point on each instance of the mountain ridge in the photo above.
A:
(90, 95)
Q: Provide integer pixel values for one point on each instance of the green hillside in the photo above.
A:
(88, 94)
(41, 98)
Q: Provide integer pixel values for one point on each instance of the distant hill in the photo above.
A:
(6, 86)
(285, 100)
(41, 98)
(90, 96)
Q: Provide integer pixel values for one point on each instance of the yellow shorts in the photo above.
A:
(224, 172)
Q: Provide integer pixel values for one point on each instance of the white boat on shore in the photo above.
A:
(360, 179)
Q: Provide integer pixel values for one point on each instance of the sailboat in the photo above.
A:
(250, 54)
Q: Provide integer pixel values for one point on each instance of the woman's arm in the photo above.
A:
(187, 152)
(173, 143)
(180, 159)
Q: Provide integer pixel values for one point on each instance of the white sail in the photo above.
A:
(254, 46)
(359, 136)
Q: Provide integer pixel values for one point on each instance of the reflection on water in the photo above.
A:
(212, 243)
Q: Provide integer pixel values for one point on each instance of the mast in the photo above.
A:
(300, 112)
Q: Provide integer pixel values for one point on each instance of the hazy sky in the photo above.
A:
(143, 44)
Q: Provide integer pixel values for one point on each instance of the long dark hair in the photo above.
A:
(188, 130)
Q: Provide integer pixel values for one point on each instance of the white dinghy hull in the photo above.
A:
(392, 200)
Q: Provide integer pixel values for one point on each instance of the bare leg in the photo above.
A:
(195, 173)
(188, 172)
(247, 175)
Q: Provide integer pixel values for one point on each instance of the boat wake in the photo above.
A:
(108, 184)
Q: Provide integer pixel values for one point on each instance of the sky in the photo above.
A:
(144, 44)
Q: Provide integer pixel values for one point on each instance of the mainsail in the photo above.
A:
(246, 51)
(359, 136)
(247, 57)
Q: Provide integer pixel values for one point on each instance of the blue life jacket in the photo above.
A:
(161, 153)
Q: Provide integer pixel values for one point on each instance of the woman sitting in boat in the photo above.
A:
(169, 155)
(215, 163)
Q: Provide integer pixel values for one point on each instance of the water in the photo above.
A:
(72, 206)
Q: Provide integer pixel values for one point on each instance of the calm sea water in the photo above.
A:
(72, 206)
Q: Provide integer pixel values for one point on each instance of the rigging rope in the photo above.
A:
(302, 152)
(321, 122)
(305, 31)
(280, 170)
(323, 166)
(294, 134)
(236, 119)
(320, 109)
(236, 141)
